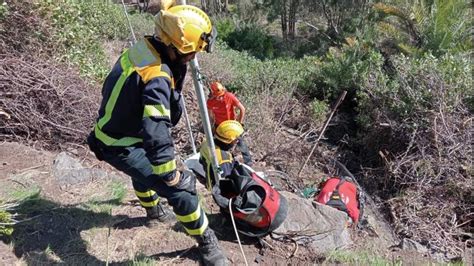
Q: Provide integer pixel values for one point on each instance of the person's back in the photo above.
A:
(141, 102)
(126, 103)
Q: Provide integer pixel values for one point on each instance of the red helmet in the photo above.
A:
(217, 89)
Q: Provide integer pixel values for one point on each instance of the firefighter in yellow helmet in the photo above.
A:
(226, 137)
(141, 102)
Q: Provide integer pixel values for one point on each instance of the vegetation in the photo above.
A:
(405, 64)
(80, 27)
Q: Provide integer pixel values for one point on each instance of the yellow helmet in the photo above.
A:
(229, 131)
(187, 28)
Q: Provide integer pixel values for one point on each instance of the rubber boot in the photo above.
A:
(158, 214)
(211, 252)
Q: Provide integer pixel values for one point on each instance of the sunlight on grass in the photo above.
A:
(143, 260)
(113, 197)
(358, 258)
(24, 193)
(119, 191)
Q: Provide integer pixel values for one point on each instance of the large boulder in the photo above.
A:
(68, 171)
(319, 227)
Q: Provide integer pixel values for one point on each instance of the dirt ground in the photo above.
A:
(86, 223)
(80, 224)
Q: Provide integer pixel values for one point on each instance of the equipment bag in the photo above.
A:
(257, 207)
(341, 193)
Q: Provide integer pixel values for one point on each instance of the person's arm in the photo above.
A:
(157, 140)
(212, 118)
(241, 108)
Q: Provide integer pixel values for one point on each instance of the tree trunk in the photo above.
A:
(284, 20)
(204, 5)
(293, 10)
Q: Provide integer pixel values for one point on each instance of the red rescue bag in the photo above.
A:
(341, 193)
(258, 208)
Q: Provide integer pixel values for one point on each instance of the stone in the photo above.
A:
(68, 171)
(319, 227)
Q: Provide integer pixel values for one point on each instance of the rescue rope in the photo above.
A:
(129, 23)
(236, 232)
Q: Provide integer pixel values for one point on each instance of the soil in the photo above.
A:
(69, 224)
(64, 226)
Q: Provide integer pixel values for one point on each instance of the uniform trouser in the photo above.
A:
(134, 163)
(244, 149)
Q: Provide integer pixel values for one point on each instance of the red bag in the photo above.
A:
(342, 194)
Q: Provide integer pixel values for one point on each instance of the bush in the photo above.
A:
(225, 27)
(81, 26)
(416, 124)
(253, 39)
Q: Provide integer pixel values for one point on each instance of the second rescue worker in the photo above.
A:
(141, 102)
(222, 105)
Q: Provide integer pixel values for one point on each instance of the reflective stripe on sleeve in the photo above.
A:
(157, 110)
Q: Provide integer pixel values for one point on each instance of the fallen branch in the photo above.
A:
(338, 102)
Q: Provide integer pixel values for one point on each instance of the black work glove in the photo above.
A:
(187, 181)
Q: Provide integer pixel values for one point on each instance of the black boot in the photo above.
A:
(158, 214)
(210, 250)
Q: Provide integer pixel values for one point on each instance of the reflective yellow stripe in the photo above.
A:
(164, 168)
(150, 72)
(158, 110)
(127, 70)
(109, 141)
(149, 193)
(199, 231)
(150, 203)
(220, 156)
(194, 216)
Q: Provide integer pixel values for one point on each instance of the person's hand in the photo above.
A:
(187, 181)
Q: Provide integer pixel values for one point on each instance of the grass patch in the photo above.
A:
(143, 260)
(114, 197)
(358, 258)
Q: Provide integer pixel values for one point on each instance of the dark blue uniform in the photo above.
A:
(141, 101)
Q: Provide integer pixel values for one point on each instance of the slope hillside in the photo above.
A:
(403, 143)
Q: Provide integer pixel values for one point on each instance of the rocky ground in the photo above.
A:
(76, 210)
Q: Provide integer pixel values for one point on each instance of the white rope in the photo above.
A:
(129, 24)
(236, 232)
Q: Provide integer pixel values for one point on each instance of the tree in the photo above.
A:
(287, 11)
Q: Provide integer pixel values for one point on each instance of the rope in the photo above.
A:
(237, 233)
(129, 24)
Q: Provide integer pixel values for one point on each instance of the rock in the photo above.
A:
(67, 171)
(412, 245)
(321, 228)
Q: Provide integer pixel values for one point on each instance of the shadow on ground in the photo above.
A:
(51, 233)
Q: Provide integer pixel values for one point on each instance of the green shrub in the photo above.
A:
(82, 26)
(225, 27)
(6, 223)
(253, 39)
(319, 110)
(3, 10)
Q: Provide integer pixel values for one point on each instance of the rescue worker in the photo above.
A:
(341, 193)
(222, 106)
(225, 139)
(141, 102)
